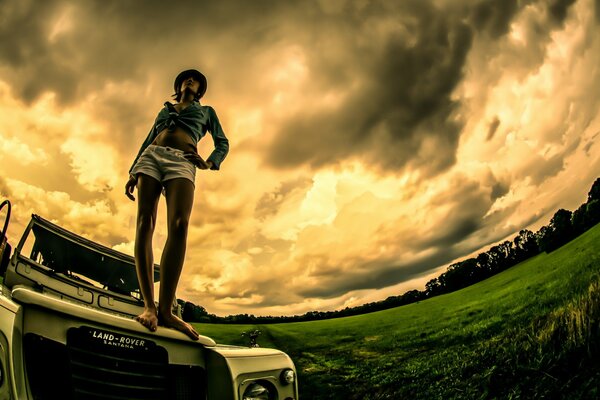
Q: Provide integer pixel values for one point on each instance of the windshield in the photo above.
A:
(70, 254)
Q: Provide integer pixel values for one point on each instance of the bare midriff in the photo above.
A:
(177, 139)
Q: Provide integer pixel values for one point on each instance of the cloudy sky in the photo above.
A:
(372, 142)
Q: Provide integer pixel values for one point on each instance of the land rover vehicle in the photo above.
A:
(67, 332)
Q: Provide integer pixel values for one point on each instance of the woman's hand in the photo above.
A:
(198, 161)
(129, 186)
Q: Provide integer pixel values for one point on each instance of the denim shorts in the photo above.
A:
(163, 164)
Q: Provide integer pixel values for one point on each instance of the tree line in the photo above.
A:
(563, 227)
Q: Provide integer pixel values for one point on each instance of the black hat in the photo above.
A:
(197, 75)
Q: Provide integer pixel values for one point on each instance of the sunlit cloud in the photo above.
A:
(21, 153)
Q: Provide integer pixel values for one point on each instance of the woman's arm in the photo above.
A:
(221, 142)
(149, 139)
(132, 181)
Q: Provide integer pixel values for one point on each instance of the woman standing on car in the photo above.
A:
(167, 163)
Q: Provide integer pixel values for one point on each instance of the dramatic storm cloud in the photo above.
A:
(372, 142)
(379, 86)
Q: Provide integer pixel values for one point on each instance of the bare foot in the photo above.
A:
(171, 321)
(148, 318)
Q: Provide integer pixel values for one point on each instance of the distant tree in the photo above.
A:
(561, 221)
(525, 245)
(194, 313)
(484, 264)
(413, 296)
(543, 238)
(594, 193)
(432, 288)
(494, 257)
(508, 251)
(459, 275)
(500, 257)
(592, 213)
(558, 232)
(579, 220)
(469, 268)
(562, 230)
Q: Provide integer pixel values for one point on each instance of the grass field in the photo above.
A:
(529, 332)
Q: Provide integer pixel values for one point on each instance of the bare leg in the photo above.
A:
(180, 198)
(148, 195)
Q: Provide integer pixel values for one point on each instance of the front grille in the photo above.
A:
(106, 368)
(94, 366)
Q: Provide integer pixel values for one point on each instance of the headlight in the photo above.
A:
(287, 376)
(256, 391)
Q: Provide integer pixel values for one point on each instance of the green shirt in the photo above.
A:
(196, 120)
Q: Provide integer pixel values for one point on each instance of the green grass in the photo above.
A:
(529, 332)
